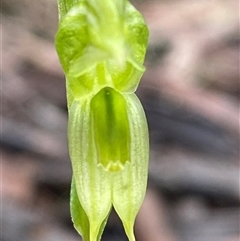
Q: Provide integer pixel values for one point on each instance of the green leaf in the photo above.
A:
(79, 217)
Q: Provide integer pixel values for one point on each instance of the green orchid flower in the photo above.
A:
(101, 45)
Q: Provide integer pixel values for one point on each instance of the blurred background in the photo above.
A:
(190, 92)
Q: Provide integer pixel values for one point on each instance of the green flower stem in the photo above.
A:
(101, 45)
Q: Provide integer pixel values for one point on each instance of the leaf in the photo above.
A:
(79, 217)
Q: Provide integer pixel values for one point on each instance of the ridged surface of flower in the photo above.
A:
(101, 45)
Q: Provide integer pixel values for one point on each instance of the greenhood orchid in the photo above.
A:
(101, 45)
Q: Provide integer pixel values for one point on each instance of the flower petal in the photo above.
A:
(129, 185)
(92, 183)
